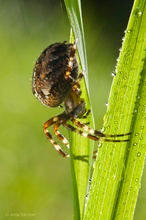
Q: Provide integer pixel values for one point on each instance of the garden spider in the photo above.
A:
(55, 81)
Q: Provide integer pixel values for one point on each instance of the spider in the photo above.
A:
(55, 81)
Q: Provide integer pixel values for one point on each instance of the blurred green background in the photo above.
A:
(34, 180)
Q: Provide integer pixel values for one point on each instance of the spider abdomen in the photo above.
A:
(49, 83)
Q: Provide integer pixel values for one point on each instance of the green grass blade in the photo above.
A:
(80, 148)
(119, 166)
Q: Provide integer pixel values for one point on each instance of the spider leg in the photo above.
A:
(95, 132)
(76, 85)
(59, 135)
(86, 114)
(86, 130)
(82, 133)
(47, 124)
(80, 76)
(70, 62)
(89, 133)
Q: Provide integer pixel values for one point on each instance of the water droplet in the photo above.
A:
(123, 39)
(99, 144)
(113, 73)
(138, 154)
(106, 103)
(90, 180)
(87, 195)
(139, 14)
(128, 31)
(114, 176)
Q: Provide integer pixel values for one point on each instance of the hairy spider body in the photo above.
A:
(54, 73)
(55, 81)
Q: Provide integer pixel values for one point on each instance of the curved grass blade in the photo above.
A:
(80, 148)
(119, 166)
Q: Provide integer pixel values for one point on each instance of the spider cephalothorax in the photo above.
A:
(55, 81)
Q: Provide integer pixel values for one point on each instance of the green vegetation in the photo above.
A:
(119, 166)
(35, 180)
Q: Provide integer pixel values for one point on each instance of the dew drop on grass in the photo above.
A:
(125, 77)
(113, 74)
(139, 14)
(106, 104)
(102, 129)
(136, 180)
(138, 154)
(99, 144)
(128, 31)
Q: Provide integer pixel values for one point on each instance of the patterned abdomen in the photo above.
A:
(49, 83)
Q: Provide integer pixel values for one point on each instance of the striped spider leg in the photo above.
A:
(55, 121)
(82, 129)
